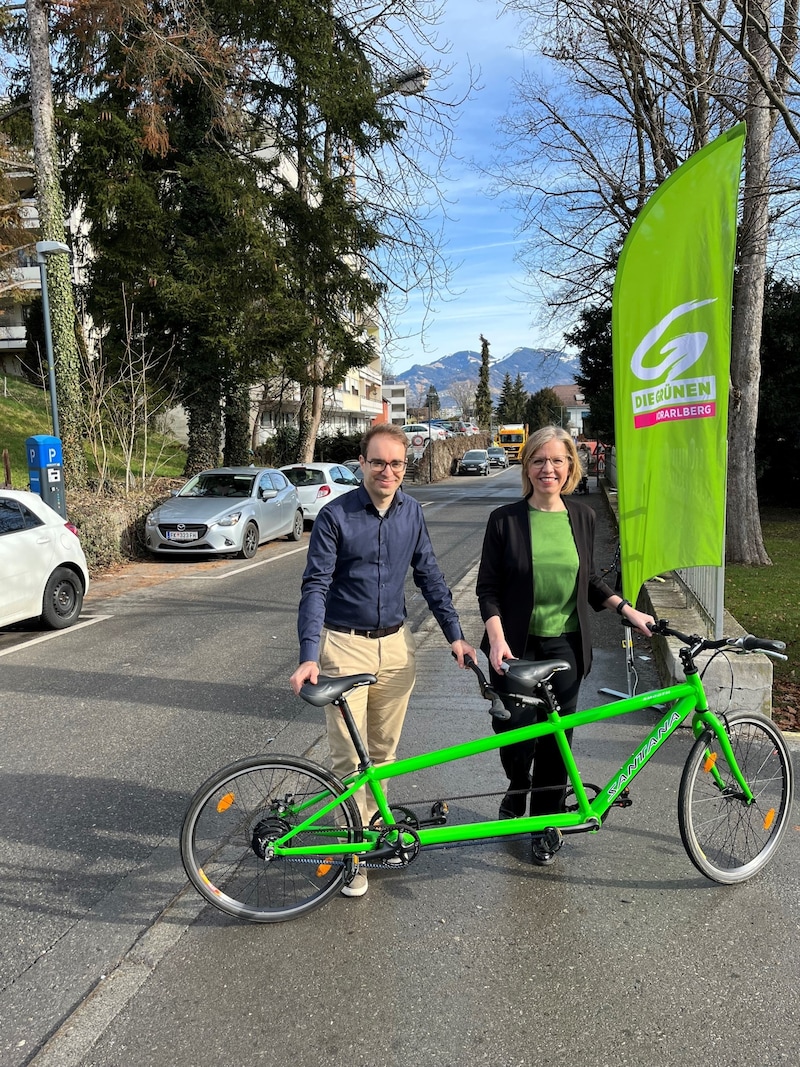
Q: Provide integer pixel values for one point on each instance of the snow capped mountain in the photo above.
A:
(538, 368)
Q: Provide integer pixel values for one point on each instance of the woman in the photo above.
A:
(536, 583)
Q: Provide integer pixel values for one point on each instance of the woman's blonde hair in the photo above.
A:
(536, 441)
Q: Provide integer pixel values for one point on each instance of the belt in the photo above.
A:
(373, 635)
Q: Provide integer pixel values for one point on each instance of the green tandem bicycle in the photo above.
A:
(271, 837)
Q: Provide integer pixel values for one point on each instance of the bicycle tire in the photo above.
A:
(727, 839)
(233, 815)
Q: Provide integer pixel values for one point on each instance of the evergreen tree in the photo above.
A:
(518, 400)
(542, 409)
(483, 396)
(505, 401)
(592, 338)
(778, 435)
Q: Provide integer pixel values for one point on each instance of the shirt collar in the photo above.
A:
(366, 501)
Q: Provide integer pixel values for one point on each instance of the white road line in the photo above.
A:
(239, 570)
(56, 633)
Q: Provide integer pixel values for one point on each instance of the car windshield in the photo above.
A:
(475, 454)
(228, 485)
(497, 452)
(301, 476)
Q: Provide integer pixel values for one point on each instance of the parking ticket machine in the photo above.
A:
(46, 471)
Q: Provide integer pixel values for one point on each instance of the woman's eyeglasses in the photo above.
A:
(379, 465)
(556, 463)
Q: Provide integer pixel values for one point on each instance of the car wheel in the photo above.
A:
(63, 598)
(297, 528)
(249, 541)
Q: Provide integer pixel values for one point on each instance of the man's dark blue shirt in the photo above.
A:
(357, 565)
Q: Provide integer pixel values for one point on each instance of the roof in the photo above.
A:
(570, 395)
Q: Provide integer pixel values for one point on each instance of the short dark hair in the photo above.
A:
(387, 428)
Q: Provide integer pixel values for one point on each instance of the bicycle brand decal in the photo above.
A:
(643, 754)
(676, 398)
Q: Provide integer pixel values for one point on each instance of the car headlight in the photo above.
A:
(230, 520)
(151, 520)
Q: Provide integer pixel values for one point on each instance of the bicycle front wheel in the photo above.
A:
(728, 839)
(235, 816)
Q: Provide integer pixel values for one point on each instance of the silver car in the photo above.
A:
(224, 511)
(319, 483)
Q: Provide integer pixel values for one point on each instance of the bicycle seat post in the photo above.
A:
(344, 710)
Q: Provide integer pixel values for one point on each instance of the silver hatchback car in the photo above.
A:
(226, 510)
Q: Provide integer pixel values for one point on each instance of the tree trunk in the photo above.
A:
(66, 359)
(237, 452)
(205, 427)
(744, 539)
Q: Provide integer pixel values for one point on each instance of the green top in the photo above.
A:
(555, 567)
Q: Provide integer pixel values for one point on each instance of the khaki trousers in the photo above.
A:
(378, 710)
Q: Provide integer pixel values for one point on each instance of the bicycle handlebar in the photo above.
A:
(745, 643)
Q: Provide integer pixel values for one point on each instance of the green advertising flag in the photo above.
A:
(671, 338)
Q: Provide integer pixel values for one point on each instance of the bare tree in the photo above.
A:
(648, 83)
(464, 395)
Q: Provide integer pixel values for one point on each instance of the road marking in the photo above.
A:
(55, 633)
(239, 570)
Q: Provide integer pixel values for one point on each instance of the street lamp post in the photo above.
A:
(43, 250)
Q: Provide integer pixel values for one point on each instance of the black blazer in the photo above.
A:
(505, 585)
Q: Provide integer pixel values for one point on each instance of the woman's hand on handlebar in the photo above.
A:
(640, 621)
(306, 672)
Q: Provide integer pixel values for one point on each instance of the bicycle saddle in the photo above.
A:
(329, 689)
(523, 675)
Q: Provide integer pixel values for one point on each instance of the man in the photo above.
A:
(352, 606)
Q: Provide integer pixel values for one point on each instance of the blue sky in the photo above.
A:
(488, 285)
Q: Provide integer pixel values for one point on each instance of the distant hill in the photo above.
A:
(538, 367)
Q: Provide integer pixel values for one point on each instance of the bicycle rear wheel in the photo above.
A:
(727, 839)
(239, 811)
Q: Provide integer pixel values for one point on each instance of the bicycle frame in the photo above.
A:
(684, 699)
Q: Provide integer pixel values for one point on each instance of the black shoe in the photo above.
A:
(542, 853)
(513, 804)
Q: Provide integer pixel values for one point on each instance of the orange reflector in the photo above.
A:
(225, 802)
(710, 761)
(768, 818)
(324, 868)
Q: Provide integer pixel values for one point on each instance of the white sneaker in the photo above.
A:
(358, 886)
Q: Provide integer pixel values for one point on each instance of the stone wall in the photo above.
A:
(440, 458)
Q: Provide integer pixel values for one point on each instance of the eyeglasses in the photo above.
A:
(556, 463)
(380, 465)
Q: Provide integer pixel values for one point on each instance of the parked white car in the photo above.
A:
(43, 570)
(416, 430)
(319, 483)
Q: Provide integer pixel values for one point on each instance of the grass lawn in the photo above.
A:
(766, 601)
(25, 411)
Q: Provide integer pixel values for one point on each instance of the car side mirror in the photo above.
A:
(268, 494)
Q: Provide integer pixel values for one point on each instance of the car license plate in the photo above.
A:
(181, 535)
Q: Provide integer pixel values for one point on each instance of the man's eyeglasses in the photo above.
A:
(556, 463)
(380, 465)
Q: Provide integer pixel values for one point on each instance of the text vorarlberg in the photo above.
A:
(690, 398)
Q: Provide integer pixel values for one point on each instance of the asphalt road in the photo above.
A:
(620, 954)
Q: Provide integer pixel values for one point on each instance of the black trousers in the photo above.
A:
(538, 763)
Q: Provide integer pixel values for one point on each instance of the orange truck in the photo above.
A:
(512, 437)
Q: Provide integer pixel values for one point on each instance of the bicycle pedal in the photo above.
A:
(624, 800)
(552, 839)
